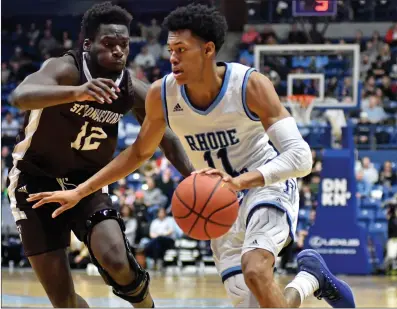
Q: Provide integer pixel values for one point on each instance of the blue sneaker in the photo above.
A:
(335, 292)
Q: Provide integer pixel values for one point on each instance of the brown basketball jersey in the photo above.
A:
(75, 139)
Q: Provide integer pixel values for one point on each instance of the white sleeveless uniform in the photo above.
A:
(229, 137)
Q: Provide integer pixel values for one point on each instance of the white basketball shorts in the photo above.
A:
(267, 220)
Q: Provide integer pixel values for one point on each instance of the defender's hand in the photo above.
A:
(232, 183)
(67, 199)
(100, 90)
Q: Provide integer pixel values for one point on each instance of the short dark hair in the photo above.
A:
(103, 13)
(203, 21)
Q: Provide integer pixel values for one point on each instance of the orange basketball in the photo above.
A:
(204, 207)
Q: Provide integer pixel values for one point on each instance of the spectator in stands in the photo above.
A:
(48, 43)
(374, 111)
(316, 37)
(154, 48)
(268, 31)
(161, 231)
(33, 33)
(371, 51)
(388, 176)
(154, 198)
(391, 36)
(145, 59)
(18, 36)
(369, 87)
(365, 66)
(347, 89)
(10, 127)
(143, 29)
(385, 53)
(378, 68)
(377, 41)
(142, 215)
(296, 36)
(370, 174)
(67, 43)
(130, 222)
(154, 30)
(48, 24)
(358, 39)
(387, 89)
(5, 73)
(363, 186)
(166, 184)
(250, 35)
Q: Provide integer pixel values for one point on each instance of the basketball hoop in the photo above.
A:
(301, 107)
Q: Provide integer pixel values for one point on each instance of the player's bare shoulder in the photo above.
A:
(257, 84)
(263, 100)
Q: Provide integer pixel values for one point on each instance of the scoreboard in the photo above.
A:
(314, 7)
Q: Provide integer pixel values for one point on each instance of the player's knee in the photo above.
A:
(114, 259)
(257, 267)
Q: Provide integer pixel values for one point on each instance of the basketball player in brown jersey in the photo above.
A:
(74, 104)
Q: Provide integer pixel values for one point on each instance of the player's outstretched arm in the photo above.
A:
(170, 144)
(57, 83)
(125, 163)
(295, 159)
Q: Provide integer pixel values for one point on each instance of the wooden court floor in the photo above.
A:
(178, 289)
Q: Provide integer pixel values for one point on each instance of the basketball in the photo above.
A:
(204, 207)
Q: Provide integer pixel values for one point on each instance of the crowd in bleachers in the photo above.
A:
(144, 197)
(376, 122)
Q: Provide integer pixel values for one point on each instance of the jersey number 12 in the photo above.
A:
(93, 133)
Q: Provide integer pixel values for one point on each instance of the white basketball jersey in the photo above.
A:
(226, 135)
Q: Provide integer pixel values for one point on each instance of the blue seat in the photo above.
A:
(370, 204)
(381, 216)
(367, 215)
(379, 230)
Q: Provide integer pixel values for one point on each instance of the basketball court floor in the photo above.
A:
(181, 289)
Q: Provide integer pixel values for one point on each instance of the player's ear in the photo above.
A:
(210, 49)
(87, 45)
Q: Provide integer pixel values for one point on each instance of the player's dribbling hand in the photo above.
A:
(233, 183)
(100, 90)
(67, 199)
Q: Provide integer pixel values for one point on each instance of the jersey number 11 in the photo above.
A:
(227, 166)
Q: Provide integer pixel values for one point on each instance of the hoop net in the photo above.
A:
(301, 108)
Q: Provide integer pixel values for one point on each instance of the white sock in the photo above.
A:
(306, 284)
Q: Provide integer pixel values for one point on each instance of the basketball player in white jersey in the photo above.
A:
(224, 114)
